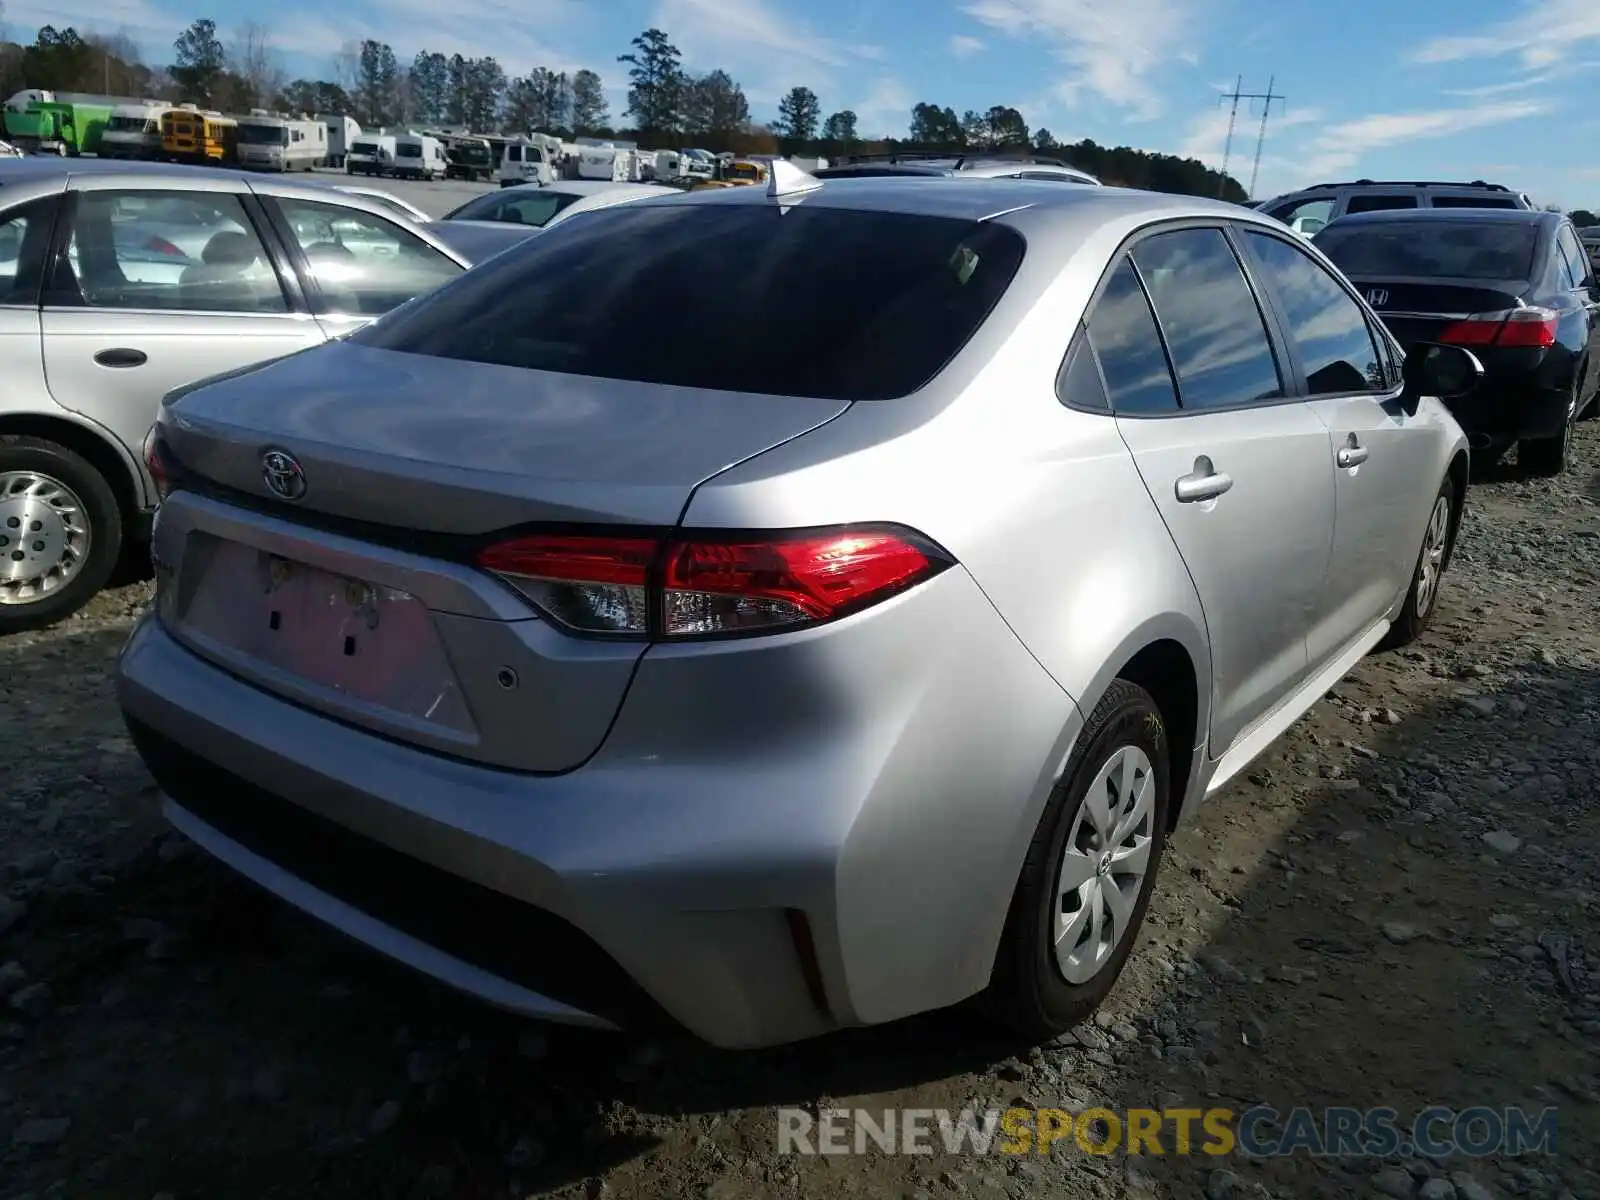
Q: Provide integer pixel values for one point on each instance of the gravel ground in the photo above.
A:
(1396, 908)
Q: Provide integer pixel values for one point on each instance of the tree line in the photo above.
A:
(666, 103)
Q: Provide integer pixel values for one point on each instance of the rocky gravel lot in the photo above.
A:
(1397, 908)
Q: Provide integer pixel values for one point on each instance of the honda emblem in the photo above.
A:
(1377, 297)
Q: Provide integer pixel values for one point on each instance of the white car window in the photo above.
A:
(364, 264)
(162, 250)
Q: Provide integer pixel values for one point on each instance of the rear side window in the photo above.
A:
(1577, 258)
(1451, 247)
(843, 305)
(1473, 202)
(1213, 327)
(1361, 204)
(24, 236)
(1128, 345)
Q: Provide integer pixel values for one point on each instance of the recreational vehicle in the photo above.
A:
(530, 159)
(616, 164)
(191, 136)
(418, 156)
(268, 143)
(343, 132)
(371, 154)
(134, 131)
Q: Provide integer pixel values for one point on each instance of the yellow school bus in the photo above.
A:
(742, 170)
(210, 139)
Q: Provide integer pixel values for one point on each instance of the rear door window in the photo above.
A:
(1214, 329)
(364, 265)
(1379, 203)
(1572, 250)
(800, 301)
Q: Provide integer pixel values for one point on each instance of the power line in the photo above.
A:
(1238, 94)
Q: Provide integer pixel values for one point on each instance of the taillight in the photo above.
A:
(1522, 328)
(159, 462)
(711, 585)
(160, 245)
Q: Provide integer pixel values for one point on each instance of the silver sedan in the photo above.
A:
(837, 639)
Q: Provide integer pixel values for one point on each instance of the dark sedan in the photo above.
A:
(1514, 287)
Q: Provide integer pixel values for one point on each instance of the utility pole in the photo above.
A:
(1238, 94)
(1261, 138)
(1233, 117)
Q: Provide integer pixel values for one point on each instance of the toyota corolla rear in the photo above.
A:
(1478, 279)
(441, 655)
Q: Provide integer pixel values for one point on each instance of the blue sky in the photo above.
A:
(1498, 89)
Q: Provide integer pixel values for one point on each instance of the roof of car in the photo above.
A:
(979, 199)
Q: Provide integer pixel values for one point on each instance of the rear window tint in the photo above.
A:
(1473, 202)
(1361, 204)
(801, 301)
(1433, 249)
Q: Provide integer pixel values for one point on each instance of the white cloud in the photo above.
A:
(1342, 145)
(1110, 49)
(961, 45)
(767, 51)
(885, 111)
(1500, 89)
(1543, 32)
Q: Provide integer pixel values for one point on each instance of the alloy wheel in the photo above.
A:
(44, 536)
(1433, 546)
(1104, 864)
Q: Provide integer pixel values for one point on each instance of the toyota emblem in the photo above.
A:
(1377, 297)
(283, 474)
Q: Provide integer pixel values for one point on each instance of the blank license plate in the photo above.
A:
(360, 640)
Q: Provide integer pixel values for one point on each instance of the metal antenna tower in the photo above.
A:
(1261, 138)
(1235, 96)
(1233, 117)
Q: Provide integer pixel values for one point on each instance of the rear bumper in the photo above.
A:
(885, 786)
(1502, 412)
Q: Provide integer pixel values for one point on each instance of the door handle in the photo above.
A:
(122, 356)
(1205, 482)
(1353, 454)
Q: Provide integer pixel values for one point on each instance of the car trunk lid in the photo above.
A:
(1420, 310)
(353, 600)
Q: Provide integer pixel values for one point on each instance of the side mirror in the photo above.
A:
(1432, 369)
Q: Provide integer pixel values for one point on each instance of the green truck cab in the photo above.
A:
(52, 127)
(471, 159)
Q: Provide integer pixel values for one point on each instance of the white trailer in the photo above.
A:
(271, 143)
(134, 131)
(531, 158)
(371, 154)
(343, 132)
(419, 156)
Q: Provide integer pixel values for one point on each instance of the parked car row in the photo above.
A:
(1475, 265)
(838, 638)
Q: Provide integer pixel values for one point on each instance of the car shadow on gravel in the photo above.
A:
(1396, 906)
(1333, 930)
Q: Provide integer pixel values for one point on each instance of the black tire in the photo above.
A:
(1028, 990)
(103, 516)
(1546, 458)
(1422, 597)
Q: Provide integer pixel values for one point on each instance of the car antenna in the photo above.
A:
(787, 180)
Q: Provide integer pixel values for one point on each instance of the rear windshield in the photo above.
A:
(1432, 249)
(801, 301)
(516, 206)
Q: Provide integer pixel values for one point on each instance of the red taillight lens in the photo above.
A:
(158, 461)
(1519, 328)
(589, 584)
(711, 586)
(160, 245)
